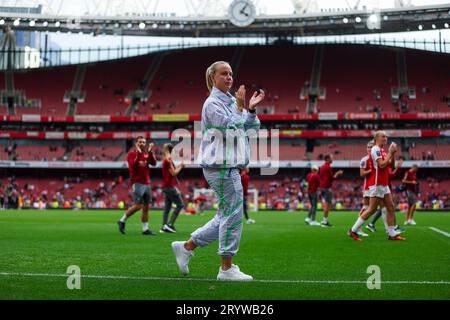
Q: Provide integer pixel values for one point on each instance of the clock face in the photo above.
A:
(242, 13)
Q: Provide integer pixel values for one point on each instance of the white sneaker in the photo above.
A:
(396, 233)
(361, 233)
(182, 256)
(169, 229)
(307, 220)
(314, 223)
(233, 274)
(412, 222)
(250, 221)
(407, 222)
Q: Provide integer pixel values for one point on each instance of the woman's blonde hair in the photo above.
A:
(210, 74)
(377, 134)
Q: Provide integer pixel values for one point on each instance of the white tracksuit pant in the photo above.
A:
(227, 223)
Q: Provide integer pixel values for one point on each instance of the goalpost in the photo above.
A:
(211, 199)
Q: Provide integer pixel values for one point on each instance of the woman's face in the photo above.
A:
(382, 139)
(223, 77)
(369, 147)
(141, 143)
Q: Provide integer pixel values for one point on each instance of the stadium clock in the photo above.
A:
(242, 13)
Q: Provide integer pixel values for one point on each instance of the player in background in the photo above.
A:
(326, 182)
(366, 171)
(313, 180)
(200, 203)
(138, 160)
(410, 182)
(394, 169)
(379, 191)
(171, 192)
(245, 178)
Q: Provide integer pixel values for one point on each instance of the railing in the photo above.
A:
(32, 58)
(434, 45)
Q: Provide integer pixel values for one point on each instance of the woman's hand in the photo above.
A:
(138, 149)
(392, 148)
(256, 98)
(240, 98)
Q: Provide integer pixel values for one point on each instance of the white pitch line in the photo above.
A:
(441, 232)
(425, 282)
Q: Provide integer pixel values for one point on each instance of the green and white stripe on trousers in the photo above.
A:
(226, 226)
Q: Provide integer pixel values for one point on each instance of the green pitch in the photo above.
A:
(287, 258)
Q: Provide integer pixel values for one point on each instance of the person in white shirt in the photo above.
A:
(224, 150)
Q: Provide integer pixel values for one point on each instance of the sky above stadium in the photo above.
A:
(199, 7)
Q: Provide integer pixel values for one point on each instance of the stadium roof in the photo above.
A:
(205, 8)
(307, 23)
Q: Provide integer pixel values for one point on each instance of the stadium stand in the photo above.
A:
(107, 85)
(113, 150)
(106, 152)
(285, 190)
(3, 108)
(356, 79)
(35, 85)
(287, 75)
(429, 152)
(429, 75)
(40, 153)
(179, 84)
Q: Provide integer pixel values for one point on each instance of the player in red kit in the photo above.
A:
(326, 181)
(138, 165)
(171, 192)
(366, 171)
(393, 172)
(245, 178)
(313, 180)
(200, 201)
(379, 192)
(410, 182)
